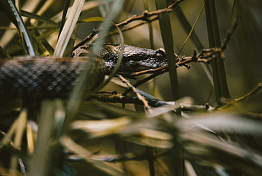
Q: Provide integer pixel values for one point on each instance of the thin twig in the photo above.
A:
(258, 87)
(89, 37)
(155, 74)
(119, 98)
(192, 29)
(132, 27)
(146, 16)
(139, 96)
(205, 56)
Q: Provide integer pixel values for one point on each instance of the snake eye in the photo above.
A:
(160, 53)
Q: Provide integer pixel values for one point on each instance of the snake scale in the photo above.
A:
(57, 76)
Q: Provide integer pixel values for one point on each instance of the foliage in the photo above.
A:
(198, 121)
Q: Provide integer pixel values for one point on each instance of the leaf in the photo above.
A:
(20, 25)
(167, 37)
(219, 75)
(39, 18)
(92, 19)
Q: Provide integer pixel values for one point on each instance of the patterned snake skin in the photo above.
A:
(57, 76)
(45, 76)
(135, 59)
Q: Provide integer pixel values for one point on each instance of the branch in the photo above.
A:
(139, 96)
(206, 56)
(90, 36)
(119, 98)
(148, 16)
(257, 88)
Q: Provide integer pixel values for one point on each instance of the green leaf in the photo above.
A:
(167, 37)
(92, 19)
(219, 75)
(25, 37)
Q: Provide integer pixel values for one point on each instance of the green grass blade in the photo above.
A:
(166, 32)
(167, 37)
(219, 75)
(66, 6)
(39, 18)
(25, 36)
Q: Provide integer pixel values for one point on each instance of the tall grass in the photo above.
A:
(83, 135)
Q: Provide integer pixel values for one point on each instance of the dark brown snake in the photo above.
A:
(57, 76)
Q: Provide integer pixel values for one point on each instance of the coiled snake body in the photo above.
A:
(57, 76)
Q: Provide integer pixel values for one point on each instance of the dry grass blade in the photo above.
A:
(226, 122)
(18, 137)
(39, 163)
(77, 94)
(86, 155)
(211, 152)
(68, 28)
(101, 128)
(189, 169)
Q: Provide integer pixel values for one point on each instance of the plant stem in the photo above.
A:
(219, 75)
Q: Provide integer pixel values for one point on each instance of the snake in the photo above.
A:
(27, 75)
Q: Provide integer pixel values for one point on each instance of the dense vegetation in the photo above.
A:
(205, 120)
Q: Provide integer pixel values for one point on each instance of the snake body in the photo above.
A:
(57, 76)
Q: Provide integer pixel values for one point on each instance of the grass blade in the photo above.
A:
(39, 18)
(166, 32)
(77, 93)
(40, 163)
(68, 28)
(28, 6)
(25, 36)
(219, 75)
(66, 6)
